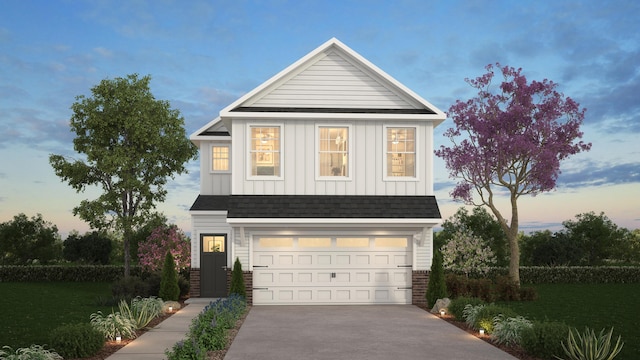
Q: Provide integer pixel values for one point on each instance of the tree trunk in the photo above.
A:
(514, 248)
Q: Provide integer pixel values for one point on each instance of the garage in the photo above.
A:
(339, 269)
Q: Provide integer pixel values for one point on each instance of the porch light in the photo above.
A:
(481, 331)
(118, 338)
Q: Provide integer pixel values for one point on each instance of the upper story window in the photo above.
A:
(333, 151)
(220, 159)
(401, 152)
(265, 151)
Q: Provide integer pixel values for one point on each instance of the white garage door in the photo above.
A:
(332, 270)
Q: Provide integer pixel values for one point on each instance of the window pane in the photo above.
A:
(212, 243)
(276, 242)
(352, 242)
(314, 242)
(220, 158)
(265, 151)
(334, 151)
(401, 152)
(391, 242)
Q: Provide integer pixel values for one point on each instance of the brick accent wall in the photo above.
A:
(419, 282)
(248, 284)
(194, 282)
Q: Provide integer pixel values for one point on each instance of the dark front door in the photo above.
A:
(213, 266)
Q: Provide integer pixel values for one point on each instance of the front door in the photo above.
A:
(213, 265)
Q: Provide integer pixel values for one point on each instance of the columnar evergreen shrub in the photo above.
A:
(169, 289)
(237, 280)
(436, 288)
(76, 340)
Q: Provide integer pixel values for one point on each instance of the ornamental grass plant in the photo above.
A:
(591, 346)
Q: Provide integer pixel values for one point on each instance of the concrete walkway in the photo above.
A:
(369, 332)
(153, 343)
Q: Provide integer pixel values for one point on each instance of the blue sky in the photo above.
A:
(202, 55)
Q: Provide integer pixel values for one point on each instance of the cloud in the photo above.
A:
(591, 173)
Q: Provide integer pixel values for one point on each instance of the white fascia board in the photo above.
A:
(396, 222)
(435, 118)
(208, 212)
(195, 135)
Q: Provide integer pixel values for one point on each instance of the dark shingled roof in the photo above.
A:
(321, 206)
(331, 110)
(214, 133)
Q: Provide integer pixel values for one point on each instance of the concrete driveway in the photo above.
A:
(354, 332)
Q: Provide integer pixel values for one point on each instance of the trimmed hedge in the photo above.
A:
(570, 274)
(74, 273)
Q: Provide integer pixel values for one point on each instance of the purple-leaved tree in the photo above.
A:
(510, 138)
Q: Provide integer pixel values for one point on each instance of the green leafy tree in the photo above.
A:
(596, 235)
(132, 143)
(169, 289)
(237, 280)
(437, 287)
(24, 241)
(92, 248)
(544, 248)
(482, 225)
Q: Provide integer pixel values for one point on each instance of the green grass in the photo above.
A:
(596, 306)
(31, 310)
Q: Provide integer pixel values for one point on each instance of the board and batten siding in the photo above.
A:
(333, 81)
(423, 254)
(299, 167)
(208, 222)
(212, 183)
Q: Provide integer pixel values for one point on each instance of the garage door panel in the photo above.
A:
(314, 295)
(346, 272)
(283, 260)
(398, 277)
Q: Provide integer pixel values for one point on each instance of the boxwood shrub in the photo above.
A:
(76, 340)
(544, 339)
(64, 273)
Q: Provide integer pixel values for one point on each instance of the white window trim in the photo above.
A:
(248, 152)
(211, 170)
(350, 158)
(418, 142)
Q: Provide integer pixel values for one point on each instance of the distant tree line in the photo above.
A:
(34, 241)
(588, 240)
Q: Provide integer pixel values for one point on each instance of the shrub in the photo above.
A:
(482, 318)
(142, 310)
(436, 288)
(470, 313)
(34, 352)
(113, 325)
(507, 330)
(528, 293)
(589, 346)
(544, 339)
(76, 340)
(188, 349)
(457, 305)
(507, 289)
(481, 288)
(467, 253)
(457, 285)
(129, 288)
(184, 285)
(169, 289)
(63, 273)
(91, 248)
(237, 280)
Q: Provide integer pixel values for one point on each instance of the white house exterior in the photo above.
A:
(320, 181)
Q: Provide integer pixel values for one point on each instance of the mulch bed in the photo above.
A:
(514, 351)
(111, 347)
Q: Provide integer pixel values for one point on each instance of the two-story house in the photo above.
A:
(320, 181)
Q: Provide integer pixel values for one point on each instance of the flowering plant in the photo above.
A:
(153, 250)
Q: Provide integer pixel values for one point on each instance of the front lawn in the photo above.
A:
(31, 310)
(597, 306)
